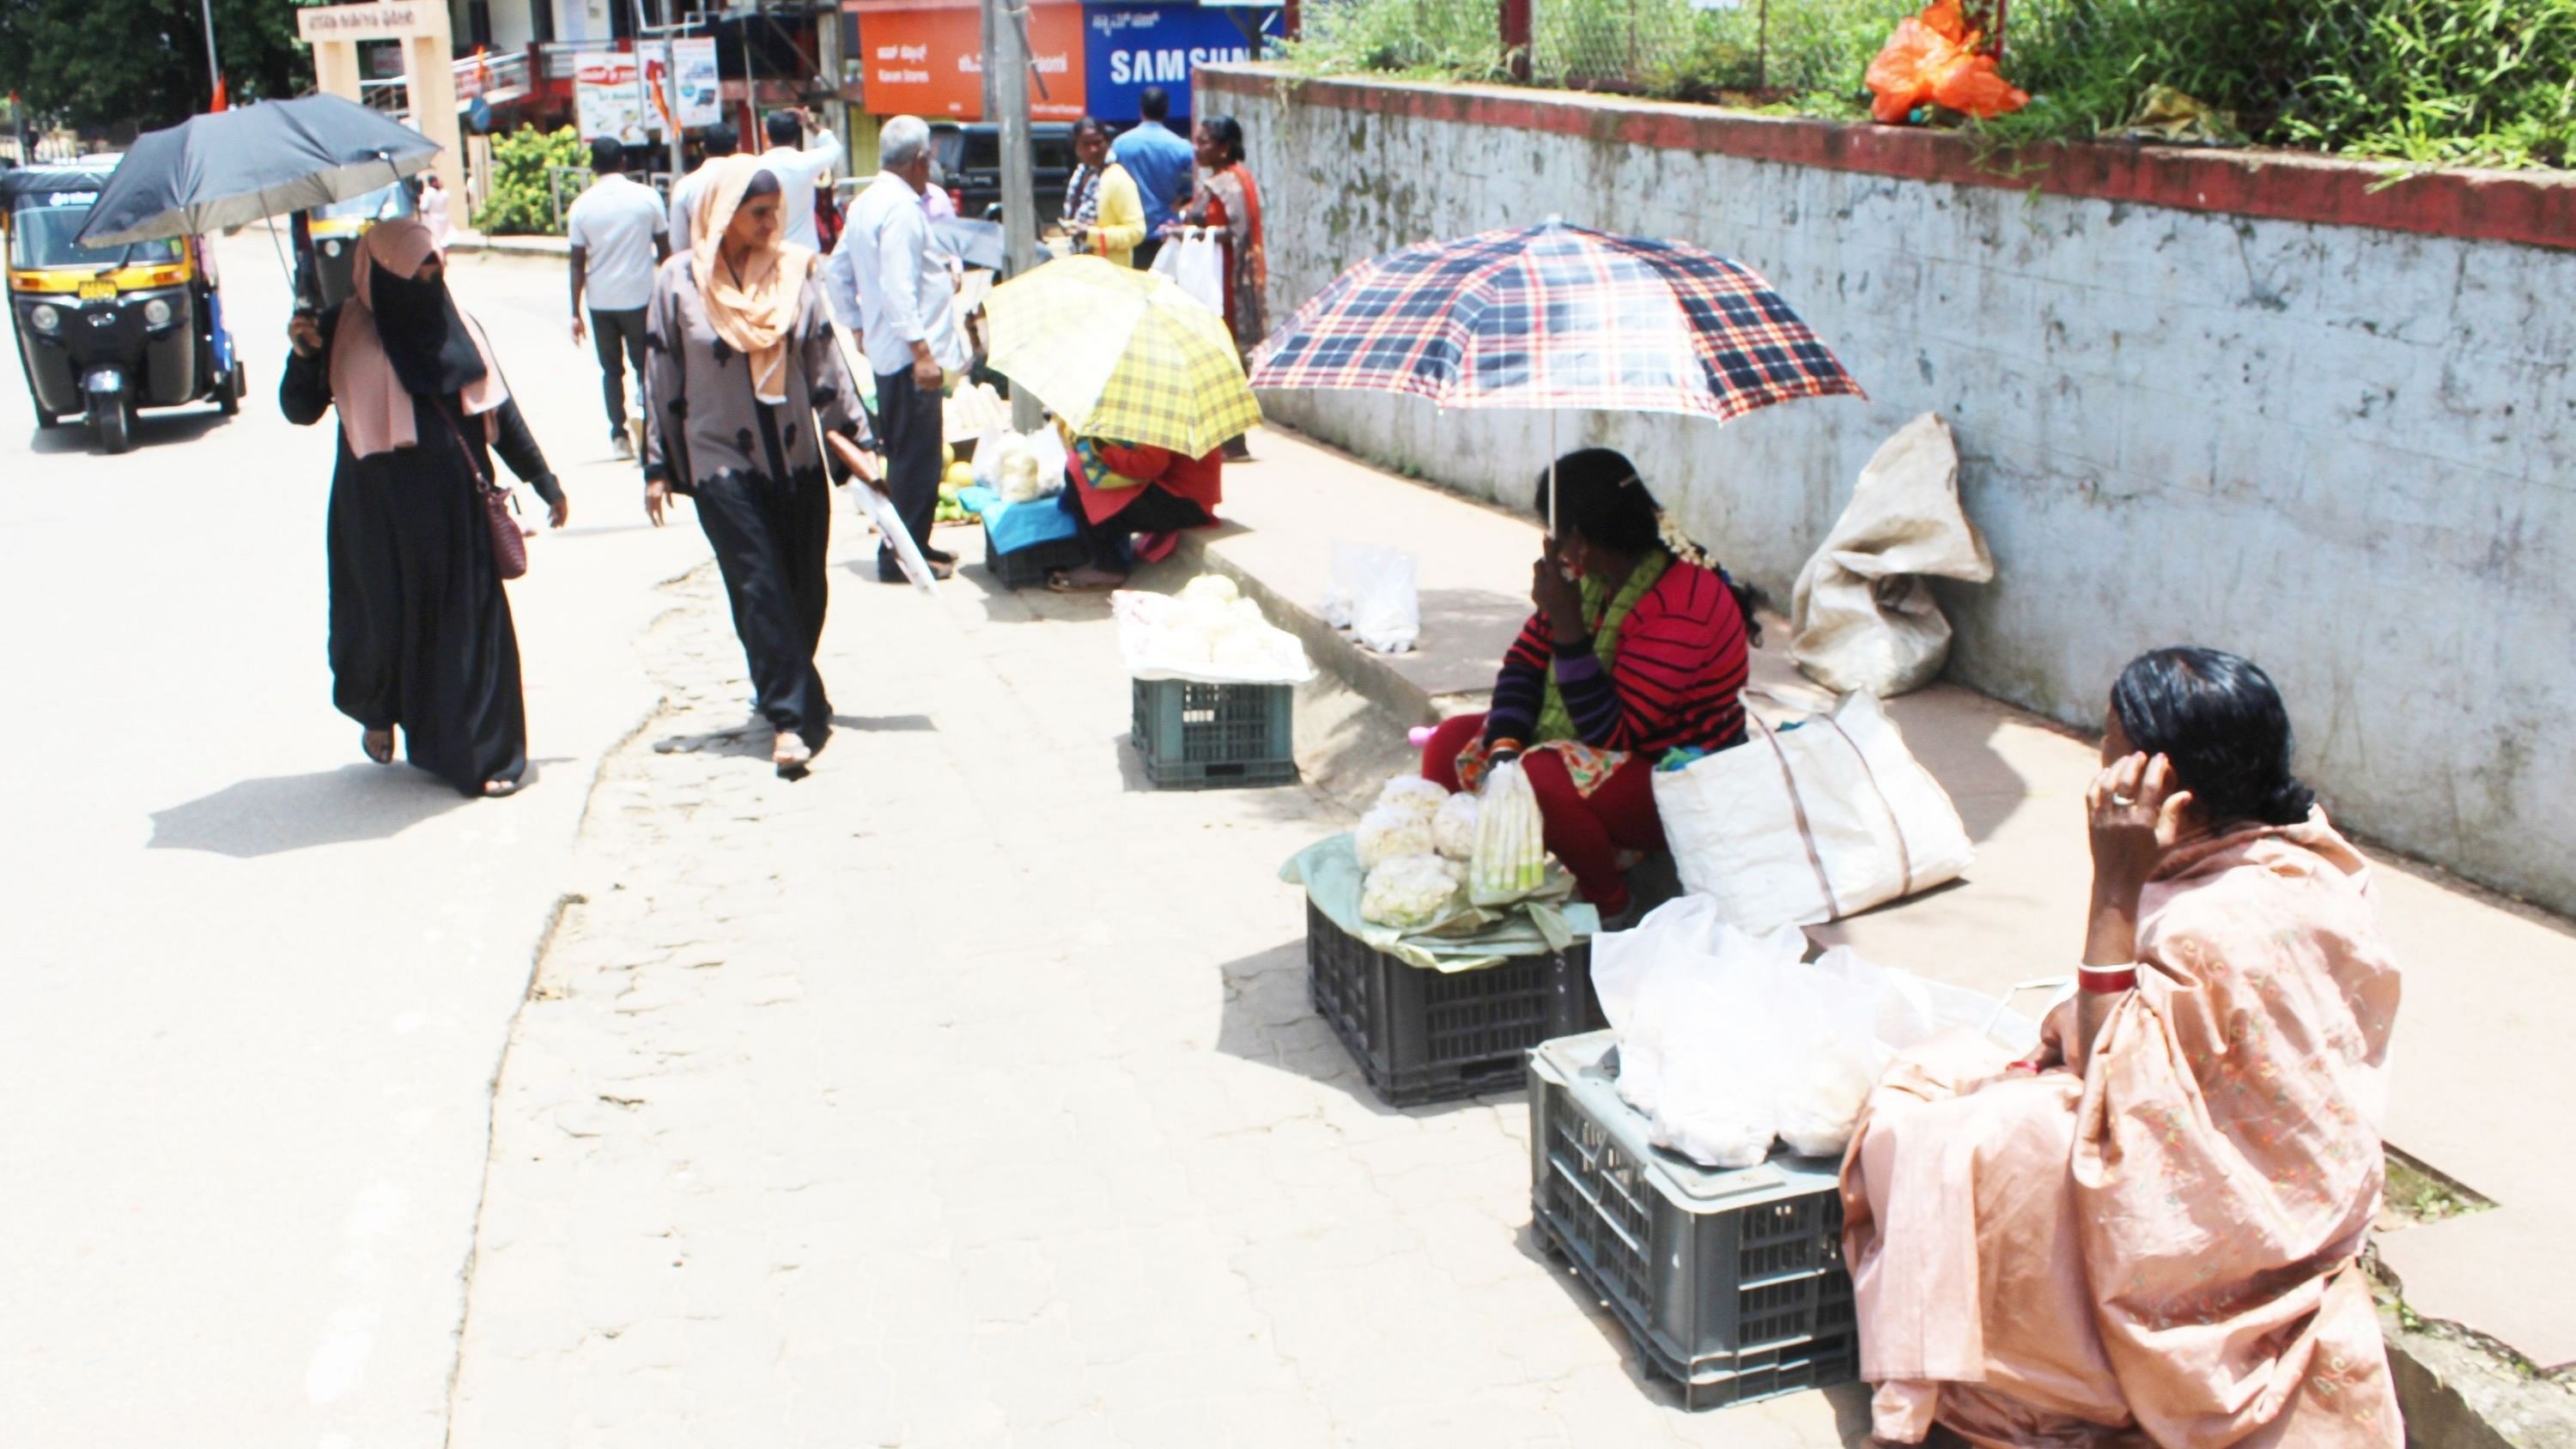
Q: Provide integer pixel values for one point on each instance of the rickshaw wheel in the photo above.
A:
(235, 385)
(115, 426)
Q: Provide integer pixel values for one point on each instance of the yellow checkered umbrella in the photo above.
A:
(1121, 354)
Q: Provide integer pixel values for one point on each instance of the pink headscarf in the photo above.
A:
(375, 408)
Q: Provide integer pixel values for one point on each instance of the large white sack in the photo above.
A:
(1803, 825)
(1863, 618)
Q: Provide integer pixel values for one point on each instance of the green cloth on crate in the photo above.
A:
(1555, 722)
(1330, 871)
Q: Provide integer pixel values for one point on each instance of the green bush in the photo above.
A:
(2423, 82)
(520, 203)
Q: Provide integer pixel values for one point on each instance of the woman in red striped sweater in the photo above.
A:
(1632, 652)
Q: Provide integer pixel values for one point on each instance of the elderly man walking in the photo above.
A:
(885, 274)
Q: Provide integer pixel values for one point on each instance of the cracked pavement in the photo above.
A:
(966, 1092)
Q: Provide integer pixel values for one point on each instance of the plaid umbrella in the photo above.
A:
(1556, 316)
(1121, 354)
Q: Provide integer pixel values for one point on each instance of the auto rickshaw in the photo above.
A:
(333, 230)
(104, 331)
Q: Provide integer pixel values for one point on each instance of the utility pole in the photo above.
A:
(214, 67)
(1006, 69)
(670, 86)
(828, 54)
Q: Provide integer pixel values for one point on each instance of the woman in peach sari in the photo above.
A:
(2150, 1233)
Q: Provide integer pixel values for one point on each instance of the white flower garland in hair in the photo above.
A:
(1669, 529)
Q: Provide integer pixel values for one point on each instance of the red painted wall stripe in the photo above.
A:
(2532, 208)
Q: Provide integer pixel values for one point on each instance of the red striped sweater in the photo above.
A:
(1678, 678)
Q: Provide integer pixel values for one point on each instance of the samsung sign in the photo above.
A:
(1129, 47)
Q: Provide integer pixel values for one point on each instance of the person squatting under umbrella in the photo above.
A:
(420, 629)
(745, 385)
(1634, 651)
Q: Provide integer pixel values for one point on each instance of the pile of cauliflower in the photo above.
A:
(1212, 623)
(1414, 844)
(1021, 467)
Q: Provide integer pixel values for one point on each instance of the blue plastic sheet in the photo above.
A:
(1016, 526)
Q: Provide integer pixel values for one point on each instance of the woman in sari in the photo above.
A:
(750, 408)
(421, 635)
(2150, 1232)
(1633, 652)
(1228, 203)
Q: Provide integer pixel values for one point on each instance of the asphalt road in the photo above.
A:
(253, 989)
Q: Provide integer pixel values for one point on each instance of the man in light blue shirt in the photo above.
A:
(885, 279)
(1163, 164)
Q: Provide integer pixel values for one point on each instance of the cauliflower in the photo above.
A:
(1413, 795)
(1212, 586)
(1017, 474)
(1453, 829)
(1386, 833)
(1407, 892)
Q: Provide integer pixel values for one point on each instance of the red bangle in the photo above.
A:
(2122, 978)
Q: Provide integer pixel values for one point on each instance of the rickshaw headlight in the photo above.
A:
(330, 249)
(44, 318)
(156, 313)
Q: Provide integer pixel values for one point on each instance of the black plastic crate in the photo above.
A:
(1028, 568)
(1195, 736)
(1431, 1036)
(1731, 1283)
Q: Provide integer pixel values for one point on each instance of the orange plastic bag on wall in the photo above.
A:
(1933, 57)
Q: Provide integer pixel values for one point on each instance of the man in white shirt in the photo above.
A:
(619, 234)
(720, 141)
(886, 275)
(433, 210)
(797, 171)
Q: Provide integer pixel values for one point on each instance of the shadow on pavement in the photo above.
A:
(1270, 1021)
(279, 813)
(1850, 1402)
(753, 738)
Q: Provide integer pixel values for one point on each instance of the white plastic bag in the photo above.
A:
(1509, 860)
(1863, 615)
(1699, 1051)
(1196, 263)
(1371, 593)
(1810, 824)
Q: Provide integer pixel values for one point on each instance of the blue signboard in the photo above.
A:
(1129, 47)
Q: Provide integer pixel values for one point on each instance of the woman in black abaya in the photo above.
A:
(420, 628)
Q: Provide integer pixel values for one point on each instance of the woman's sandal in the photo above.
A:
(1070, 581)
(378, 745)
(791, 755)
(499, 789)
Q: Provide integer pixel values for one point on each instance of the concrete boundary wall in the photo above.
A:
(2271, 404)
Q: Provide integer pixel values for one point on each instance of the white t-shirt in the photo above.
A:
(614, 224)
(797, 171)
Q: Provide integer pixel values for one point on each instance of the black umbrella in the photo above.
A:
(234, 167)
(976, 243)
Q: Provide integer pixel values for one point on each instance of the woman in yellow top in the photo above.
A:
(1102, 208)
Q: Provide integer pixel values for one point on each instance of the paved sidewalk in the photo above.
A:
(967, 1093)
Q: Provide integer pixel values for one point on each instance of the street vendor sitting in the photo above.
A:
(1633, 651)
(1115, 490)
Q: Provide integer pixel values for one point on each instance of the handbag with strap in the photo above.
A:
(509, 546)
(1810, 822)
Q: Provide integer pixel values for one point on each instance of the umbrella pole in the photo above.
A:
(1551, 478)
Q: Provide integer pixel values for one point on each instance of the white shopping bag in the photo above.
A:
(1194, 260)
(1811, 823)
(1371, 593)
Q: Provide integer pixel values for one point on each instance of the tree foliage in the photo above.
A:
(98, 63)
(521, 203)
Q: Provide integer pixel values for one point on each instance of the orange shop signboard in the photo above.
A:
(927, 59)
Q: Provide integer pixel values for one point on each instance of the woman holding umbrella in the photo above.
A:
(420, 628)
(1635, 651)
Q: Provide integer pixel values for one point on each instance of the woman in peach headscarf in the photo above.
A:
(420, 628)
(744, 383)
(2150, 1233)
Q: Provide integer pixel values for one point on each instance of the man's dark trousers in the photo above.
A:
(910, 419)
(608, 332)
